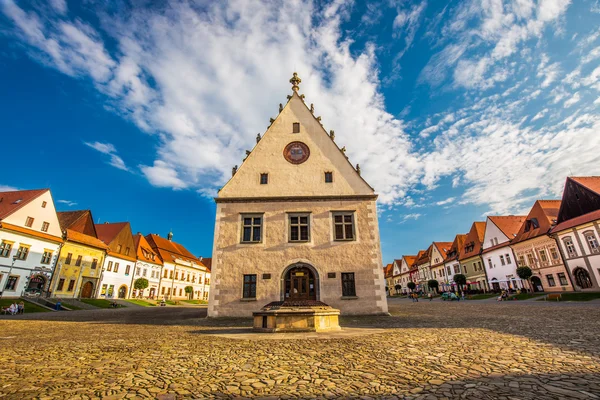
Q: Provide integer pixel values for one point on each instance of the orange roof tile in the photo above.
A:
(107, 232)
(388, 270)
(169, 250)
(144, 251)
(425, 257)
(12, 201)
(82, 238)
(410, 260)
(508, 224)
(457, 246)
(590, 182)
(545, 213)
(475, 237)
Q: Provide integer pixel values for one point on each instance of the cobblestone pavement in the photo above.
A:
(427, 350)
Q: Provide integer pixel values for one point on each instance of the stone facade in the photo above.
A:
(313, 179)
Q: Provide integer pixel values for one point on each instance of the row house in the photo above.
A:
(414, 268)
(119, 261)
(79, 267)
(406, 264)
(181, 270)
(148, 266)
(451, 262)
(439, 251)
(471, 263)
(536, 248)
(578, 229)
(423, 264)
(388, 276)
(499, 260)
(30, 240)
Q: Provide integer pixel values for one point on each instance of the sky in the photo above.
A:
(454, 110)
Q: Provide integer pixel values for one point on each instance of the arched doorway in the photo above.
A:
(152, 293)
(122, 292)
(87, 290)
(536, 283)
(36, 283)
(300, 282)
(495, 285)
(582, 278)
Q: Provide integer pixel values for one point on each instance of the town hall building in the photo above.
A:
(296, 222)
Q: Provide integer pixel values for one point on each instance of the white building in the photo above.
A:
(578, 231)
(439, 250)
(181, 269)
(117, 271)
(148, 266)
(451, 263)
(30, 239)
(498, 257)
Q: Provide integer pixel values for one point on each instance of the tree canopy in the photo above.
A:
(140, 283)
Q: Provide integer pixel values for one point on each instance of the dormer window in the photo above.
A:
(328, 177)
(264, 178)
(119, 248)
(296, 127)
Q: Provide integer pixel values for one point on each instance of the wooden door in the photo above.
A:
(86, 291)
(299, 286)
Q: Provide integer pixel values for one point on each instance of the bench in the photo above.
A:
(555, 296)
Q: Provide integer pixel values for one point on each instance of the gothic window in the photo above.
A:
(299, 227)
(343, 223)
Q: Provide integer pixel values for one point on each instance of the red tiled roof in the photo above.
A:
(169, 250)
(68, 218)
(144, 251)
(546, 212)
(474, 236)
(207, 262)
(425, 257)
(388, 270)
(458, 245)
(590, 182)
(410, 260)
(107, 232)
(582, 219)
(12, 201)
(508, 224)
(443, 248)
(82, 238)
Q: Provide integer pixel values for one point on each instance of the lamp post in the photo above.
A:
(14, 259)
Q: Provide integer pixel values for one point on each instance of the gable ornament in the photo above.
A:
(358, 168)
(332, 134)
(295, 81)
(280, 107)
(343, 149)
(233, 170)
(257, 137)
(312, 108)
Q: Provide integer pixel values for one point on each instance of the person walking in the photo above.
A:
(430, 296)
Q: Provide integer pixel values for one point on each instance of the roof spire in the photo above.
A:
(295, 81)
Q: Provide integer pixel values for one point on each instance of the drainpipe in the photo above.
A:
(54, 274)
(173, 281)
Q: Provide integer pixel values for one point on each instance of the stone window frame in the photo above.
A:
(348, 280)
(14, 286)
(343, 214)
(252, 226)
(328, 176)
(6, 247)
(291, 215)
(45, 226)
(29, 222)
(543, 256)
(249, 283)
(502, 261)
(589, 234)
(562, 278)
(295, 127)
(71, 285)
(554, 253)
(551, 281)
(46, 256)
(568, 243)
(264, 178)
(23, 252)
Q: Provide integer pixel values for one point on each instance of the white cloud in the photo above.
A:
(108, 148)
(8, 188)
(60, 6)
(68, 203)
(407, 217)
(540, 114)
(574, 99)
(444, 202)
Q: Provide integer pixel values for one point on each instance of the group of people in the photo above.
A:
(14, 308)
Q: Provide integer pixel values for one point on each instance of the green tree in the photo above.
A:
(141, 284)
(525, 273)
(411, 285)
(190, 291)
(398, 287)
(460, 281)
(433, 284)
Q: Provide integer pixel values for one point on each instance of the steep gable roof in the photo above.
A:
(425, 257)
(508, 224)
(473, 241)
(409, 260)
(415, 263)
(169, 250)
(539, 221)
(442, 248)
(107, 232)
(14, 200)
(590, 182)
(456, 248)
(388, 271)
(581, 195)
(144, 251)
(324, 155)
(207, 262)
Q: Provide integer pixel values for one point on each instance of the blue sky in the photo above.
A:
(454, 110)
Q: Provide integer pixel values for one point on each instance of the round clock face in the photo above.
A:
(296, 152)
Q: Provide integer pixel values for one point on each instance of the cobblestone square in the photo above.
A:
(425, 350)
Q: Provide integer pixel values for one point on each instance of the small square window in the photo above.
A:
(343, 223)
(264, 179)
(328, 177)
(29, 222)
(44, 204)
(45, 226)
(296, 127)
(251, 228)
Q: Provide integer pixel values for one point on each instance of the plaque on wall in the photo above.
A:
(296, 152)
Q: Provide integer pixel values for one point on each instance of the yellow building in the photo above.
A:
(81, 257)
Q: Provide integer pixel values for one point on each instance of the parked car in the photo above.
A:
(449, 296)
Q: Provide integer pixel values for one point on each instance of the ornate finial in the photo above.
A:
(332, 134)
(257, 137)
(271, 120)
(170, 236)
(319, 119)
(344, 150)
(280, 107)
(358, 168)
(248, 153)
(295, 81)
(289, 97)
(233, 170)
(302, 97)
(312, 108)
